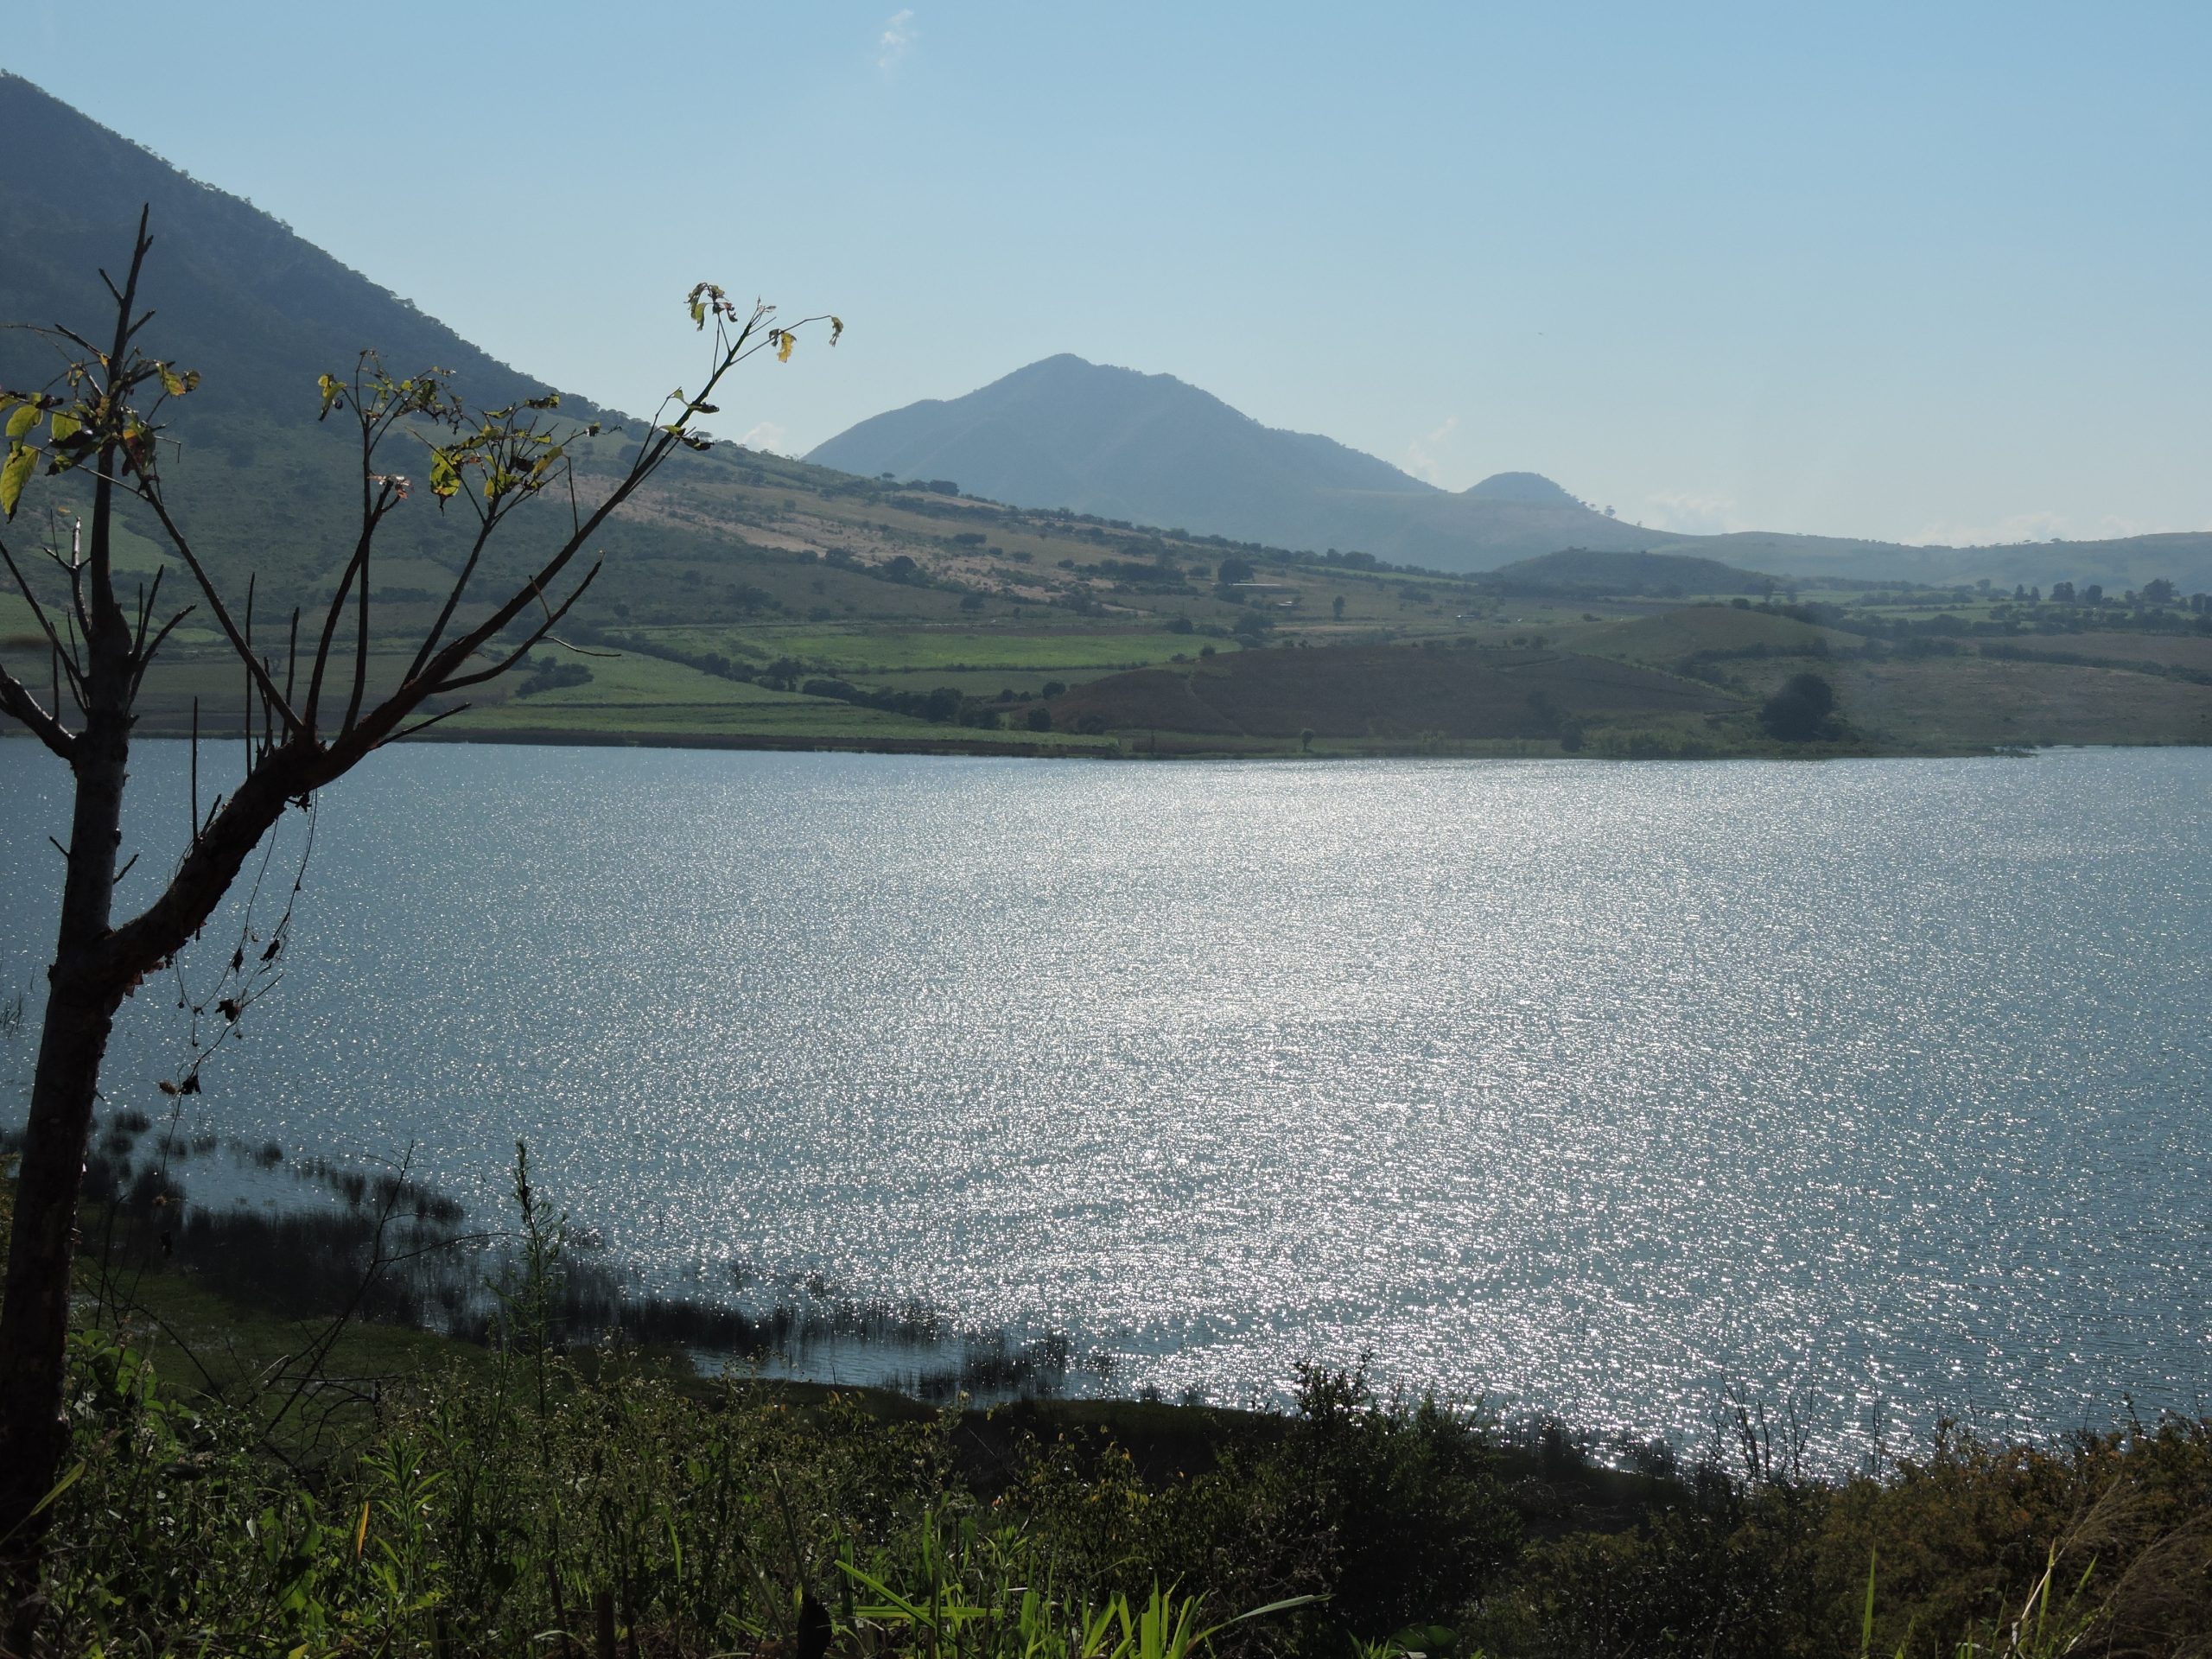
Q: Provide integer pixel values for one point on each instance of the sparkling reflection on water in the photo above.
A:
(1596, 1090)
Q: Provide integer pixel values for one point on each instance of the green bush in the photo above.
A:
(1803, 711)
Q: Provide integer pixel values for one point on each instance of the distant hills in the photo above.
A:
(2117, 563)
(1148, 448)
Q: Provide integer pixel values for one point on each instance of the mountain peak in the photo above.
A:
(1123, 444)
(1522, 486)
(1120, 443)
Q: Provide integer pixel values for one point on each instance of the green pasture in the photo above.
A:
(848, 651)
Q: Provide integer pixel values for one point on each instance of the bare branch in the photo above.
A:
(292, 652)
(104, 611)
(453, 600)
(31, 598)
(147, 598)
(148, 492)
(77, 340)
(582, 651)
(361, 640)
(552, 621)
(17, 700)
(425, 725)
(330, 621)
(147, 656)
(293, 767)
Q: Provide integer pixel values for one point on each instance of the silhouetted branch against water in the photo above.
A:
(250, 972)
(99, 416)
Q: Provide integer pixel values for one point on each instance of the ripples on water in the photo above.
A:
(1595, 1089)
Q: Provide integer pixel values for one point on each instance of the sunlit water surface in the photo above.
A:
(1876, 1087)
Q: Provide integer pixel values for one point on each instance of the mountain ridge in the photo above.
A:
(219, 255)
(1065, 433)
(1122, 444)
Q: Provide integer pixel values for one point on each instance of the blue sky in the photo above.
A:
(1926, 272)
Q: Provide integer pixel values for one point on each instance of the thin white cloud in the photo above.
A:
(768, 437)
(1420, 454)
(1691, 515)
(897, 40)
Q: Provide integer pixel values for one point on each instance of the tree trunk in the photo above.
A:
(82, 993)
(96, 964)
(34, 1321)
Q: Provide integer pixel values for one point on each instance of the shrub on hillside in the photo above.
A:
(1803, 711)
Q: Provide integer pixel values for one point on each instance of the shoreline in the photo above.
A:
(982, 746)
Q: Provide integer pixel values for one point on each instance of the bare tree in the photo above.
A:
(310, 720)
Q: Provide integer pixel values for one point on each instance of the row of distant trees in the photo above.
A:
(2157, 594)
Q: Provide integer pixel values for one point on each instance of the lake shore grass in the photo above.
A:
(246, 1481)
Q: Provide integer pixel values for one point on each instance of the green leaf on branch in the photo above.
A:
(65, 427)
(21, 421)
(15, 475)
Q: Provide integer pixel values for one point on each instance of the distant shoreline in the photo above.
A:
(988, 749)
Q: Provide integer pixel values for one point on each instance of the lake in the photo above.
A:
(1877, 1088)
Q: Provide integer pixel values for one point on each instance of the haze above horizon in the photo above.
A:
(1856, 271)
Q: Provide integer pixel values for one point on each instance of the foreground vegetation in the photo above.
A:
(546, 1489)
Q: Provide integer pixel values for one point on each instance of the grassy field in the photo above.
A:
(1970, 702)
(1669, 636)
(1394, 693)
(997, 647)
